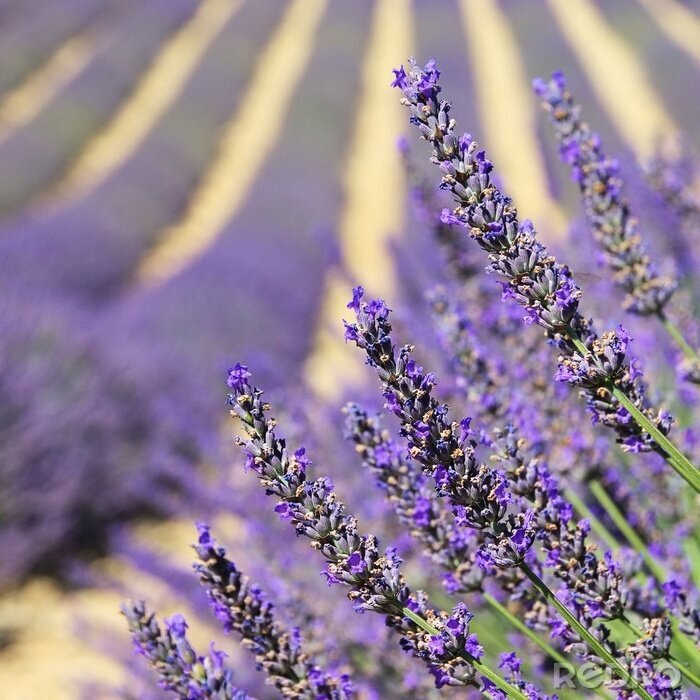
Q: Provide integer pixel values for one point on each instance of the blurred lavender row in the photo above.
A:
(163, 347)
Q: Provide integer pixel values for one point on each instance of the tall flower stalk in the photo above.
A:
(607, 210)
(595, 363)
(180, 669)
(243, 608)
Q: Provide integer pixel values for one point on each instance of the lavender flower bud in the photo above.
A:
(180, 669)
(689, 369)
(597, 176)
(512, 665)
(243, 608)
(680, 604)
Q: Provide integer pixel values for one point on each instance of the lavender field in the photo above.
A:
(266, 279)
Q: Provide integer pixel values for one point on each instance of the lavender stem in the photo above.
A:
(596, 525)
(680, 463)
(590, 640)
(677, 336)
(604, 499)
(521, 627)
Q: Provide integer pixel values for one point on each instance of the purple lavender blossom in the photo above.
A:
(674, 178)
(679, 602)
(180, 669)
(608, 212)
(243, 608)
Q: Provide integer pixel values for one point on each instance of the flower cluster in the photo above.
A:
(510, 507)
(375, 580)
(602, 366)
(243, 608)
(674, 177)
(543, 535)
(608, 212)
(180, 669)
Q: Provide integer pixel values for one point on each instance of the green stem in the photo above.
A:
(685, 671)
(678, 337)
(686, 646)
(521, 627)
(483, 669)
(683, 668)
(678, 461)
(593, 644)
(692, 550)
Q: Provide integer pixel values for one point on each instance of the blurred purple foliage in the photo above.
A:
(110, 396)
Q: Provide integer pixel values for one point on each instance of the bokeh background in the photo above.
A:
(185, 184)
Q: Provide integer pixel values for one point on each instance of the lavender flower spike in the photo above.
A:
(416, 504)
(597, 364)
(615, 229)
(180, 670)
(479, 495)
(243, 609)
(376, 583)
